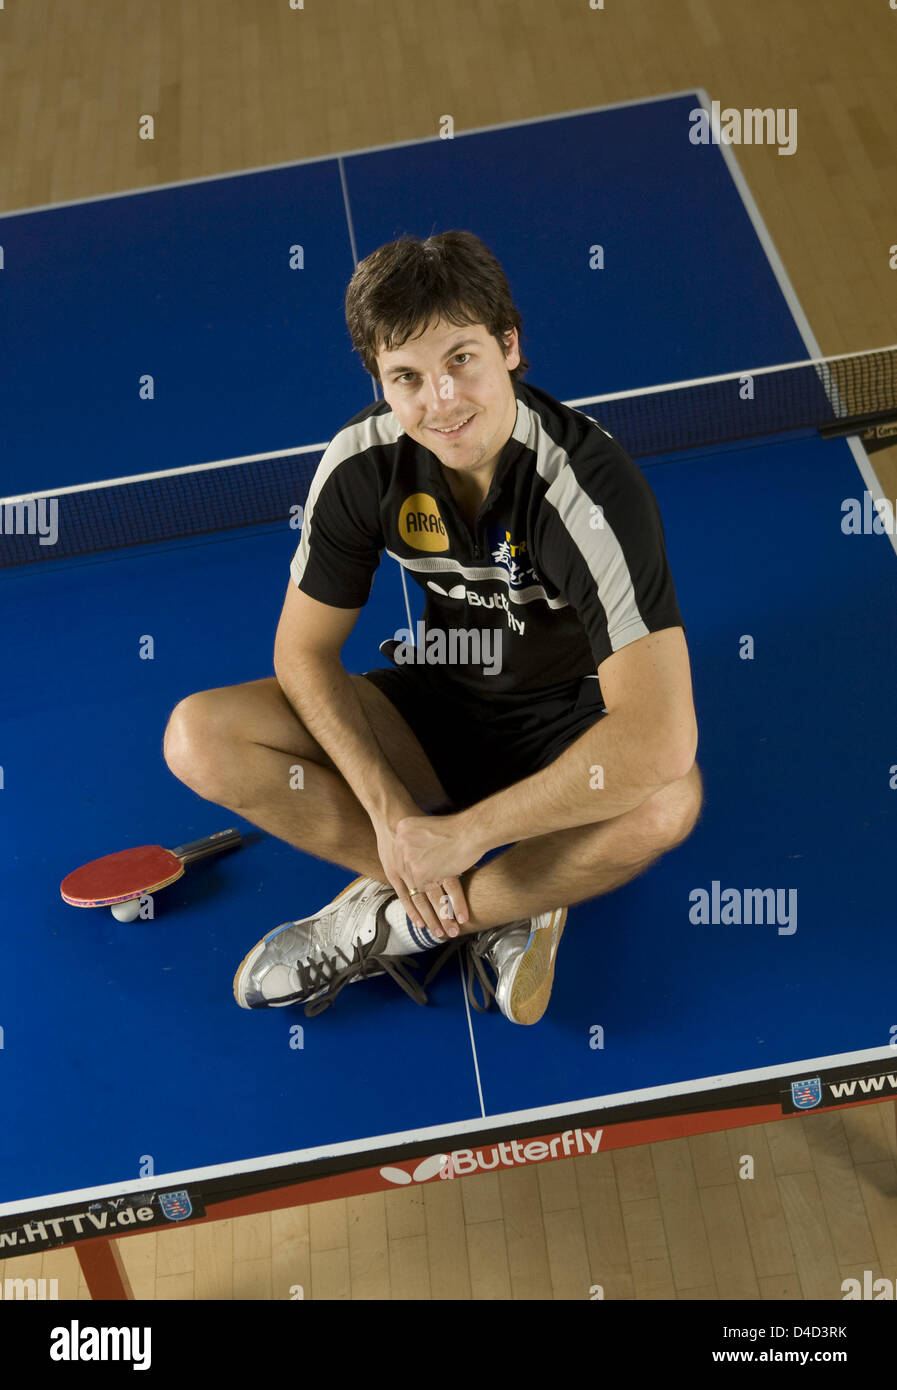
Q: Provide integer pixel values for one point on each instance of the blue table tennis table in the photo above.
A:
(748, 975)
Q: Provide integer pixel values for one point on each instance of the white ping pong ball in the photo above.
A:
(126, 912)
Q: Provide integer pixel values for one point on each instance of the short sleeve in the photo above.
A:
(602, 545)
(342, 540)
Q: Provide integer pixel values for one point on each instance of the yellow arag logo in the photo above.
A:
(420, 524)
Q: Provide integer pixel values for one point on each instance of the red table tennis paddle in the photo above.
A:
(126, 876)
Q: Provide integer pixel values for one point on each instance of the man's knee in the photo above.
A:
(673, 813)
(193, 739)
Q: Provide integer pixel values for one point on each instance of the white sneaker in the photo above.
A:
(312, 959)
(523, 956)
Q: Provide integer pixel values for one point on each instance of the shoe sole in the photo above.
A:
(252, 956)
(531, 989)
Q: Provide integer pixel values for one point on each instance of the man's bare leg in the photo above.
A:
(209, 746)
(240, 747)
(573, 866)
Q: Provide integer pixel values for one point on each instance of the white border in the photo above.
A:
(349, 154)
(159, 1181)
(860, 457)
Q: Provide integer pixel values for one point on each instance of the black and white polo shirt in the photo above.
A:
(565, 563)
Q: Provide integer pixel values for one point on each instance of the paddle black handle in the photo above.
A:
(211, 844)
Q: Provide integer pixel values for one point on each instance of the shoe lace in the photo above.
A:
(476, 970)
(336, 970)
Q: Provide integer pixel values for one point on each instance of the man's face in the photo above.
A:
(454, 376)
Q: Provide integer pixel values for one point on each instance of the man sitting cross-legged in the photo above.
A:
(546, 704)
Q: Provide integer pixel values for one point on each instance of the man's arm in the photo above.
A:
(647, 739)
(310, 637)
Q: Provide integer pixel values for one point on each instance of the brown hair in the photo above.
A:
(407, 284)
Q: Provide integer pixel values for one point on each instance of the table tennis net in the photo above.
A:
(854, 394)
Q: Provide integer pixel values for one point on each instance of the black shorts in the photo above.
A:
(479, 744)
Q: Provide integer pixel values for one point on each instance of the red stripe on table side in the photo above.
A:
(364, 1181)
(625, 1135)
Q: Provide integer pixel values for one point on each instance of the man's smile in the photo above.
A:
(455, 431)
